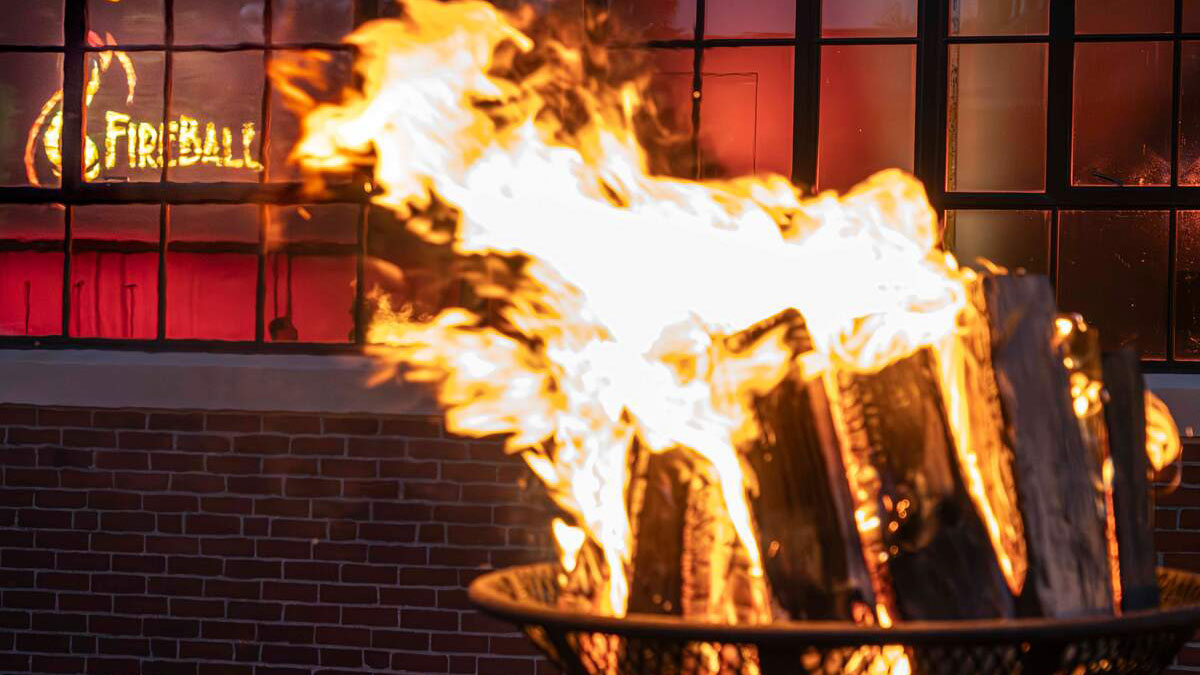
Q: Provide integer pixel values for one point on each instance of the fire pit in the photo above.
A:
(1138, 642)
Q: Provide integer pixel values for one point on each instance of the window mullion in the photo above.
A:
(930, 135)
(806, 93)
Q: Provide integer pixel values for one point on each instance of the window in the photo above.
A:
(156, 208)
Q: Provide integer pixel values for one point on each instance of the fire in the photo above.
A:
(614, 331)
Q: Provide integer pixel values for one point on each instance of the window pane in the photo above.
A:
(311, 20)
(655, 19)
(750, 18)
(31, 280)
(131, 22)
(1123, 16)
(328, 74)
(1012, 239)
(868, 112)
(124, 119)
(30, 84)
(868, 18)
(997, 93)
(211, 296)
(219, 116)
(987, 17)
(38, 22)
(114, 294)
(1189, 115)
(409, 271)
(123, 222)
(217, 222)
(1191, 16)
(218, 22)
(310, 298)
(1187, 287)
(1113, 271)
(328, 223)
(1122, 114)
(746, 111)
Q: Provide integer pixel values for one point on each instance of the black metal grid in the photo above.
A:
(932, 42)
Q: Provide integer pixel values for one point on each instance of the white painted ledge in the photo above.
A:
(192, 381)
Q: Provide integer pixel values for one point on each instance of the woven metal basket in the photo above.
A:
(1141, 642)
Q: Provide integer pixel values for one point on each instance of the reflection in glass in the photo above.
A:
(997, 93)
(1112, 269)
(1187, 286)
(868, 18)
(746, 111)
(295, 21)
(219, 117)
(131, 22)
(310, 298)
(1011, 239)
(750, 19)
(328, 223)
(38, 22)
(31, 222)
(1123, 16)
(988, 17)
(30, 88)
(116, 222)
(331, 73)
(125, 132)
(1122, 114)
(218, 22)
(654, 19)
(215, 222)
(1189, 114)
(868, 112)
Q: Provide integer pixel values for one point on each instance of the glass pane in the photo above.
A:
(124, 119)
(211, 296)
(1189, 114)
(310, 298)
(988, 17)
(328, 223)
(408, 271)
(654, 19)
(31, 91)
(1191, 16)
(322, 76)
(218, 22)
(31, 292)
(311, 20)
(1123, 16)
(31, 222)
(216, 222)
(868, 112)
(1122, 114)
(37, 22)
(1113, 270)
(997, 93)
(131, 22)
(750, 19)
(746, 111)
(1187, 287)
(114, 294)
(124, 222)
(1012, 239)
(868, 18)
(219, 117)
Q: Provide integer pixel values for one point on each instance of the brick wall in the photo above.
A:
(145, 541)
(1177, 535)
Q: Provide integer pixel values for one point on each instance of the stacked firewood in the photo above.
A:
(865, 510)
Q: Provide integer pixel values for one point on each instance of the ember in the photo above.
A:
(750, 405)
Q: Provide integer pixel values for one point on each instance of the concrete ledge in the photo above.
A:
(190, 381)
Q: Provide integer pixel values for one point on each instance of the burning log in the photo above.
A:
(1125, 416)
(934, 547)
(1055, 472)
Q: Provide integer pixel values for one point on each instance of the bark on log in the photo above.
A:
(939, 557)
(1125, 415)
(1055, 471)
(811, 550)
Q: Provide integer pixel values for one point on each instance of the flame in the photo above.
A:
(1162, 437)
(615, 330)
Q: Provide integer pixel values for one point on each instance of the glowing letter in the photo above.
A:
(212, 152)
(190, 149)
(227, 147)
(247, 142)
(114, 128)
(147, 141)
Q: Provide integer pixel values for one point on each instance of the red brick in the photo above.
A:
(280, 548)
(348, 468)
(127, 521)
(202, 443)
(401, 511)
(58, 664)
(470, 472)
(290, 465)
(26, 436)
(27, 558)
(404, 468)
(59, 622)
(488, 451)
(256, 611)
(42, 642)
(289, 591)
(118, 583)
(1184, 542)
(145, 440)
(318, 445)
(419, 663)
(262, 444)
(429, 619)
(167, 627)
(412, 427)
(16, 476)
(276, 653)
(241, 590)
(299, 529)
(14, 497)
(177, 421)
(14, 619)
(371, 489)
(425, 576)
(58, 457)
(85, 562)
(459, 557)
(316, 571)
(147, 482)
(44, 518)
(10, 414)
(147, 605)
(369, 574)
(201, 609)
(89, 438)
(197, 482)
(119, 419)
(490, 494)
(397, 555)
(230, 464)
(370, 616)
(289, 634)
(225, 630)
(255, 485)
(341, 658)
(226, 546)
(62, 581)
(253, 569)
(176, 461)
(118, 543)
(339, 509)
(175, 586)
(344, 552)
(311, 487)
(142, 564)
(375, 447)
(281, 507)
(292, 424)
(84, 602)
(64, 417)
(400, 639)
(469, 644)
(232, 422)
(313, 614)
(351, 426)
(206, 523)
(434, 492)
(205, 651)
(194, 566)
(349, 595)
(337, 635)
(83, 479)
(180, 545)
(423, 448)
(490, 665)
(408, 597)
(474, 622)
